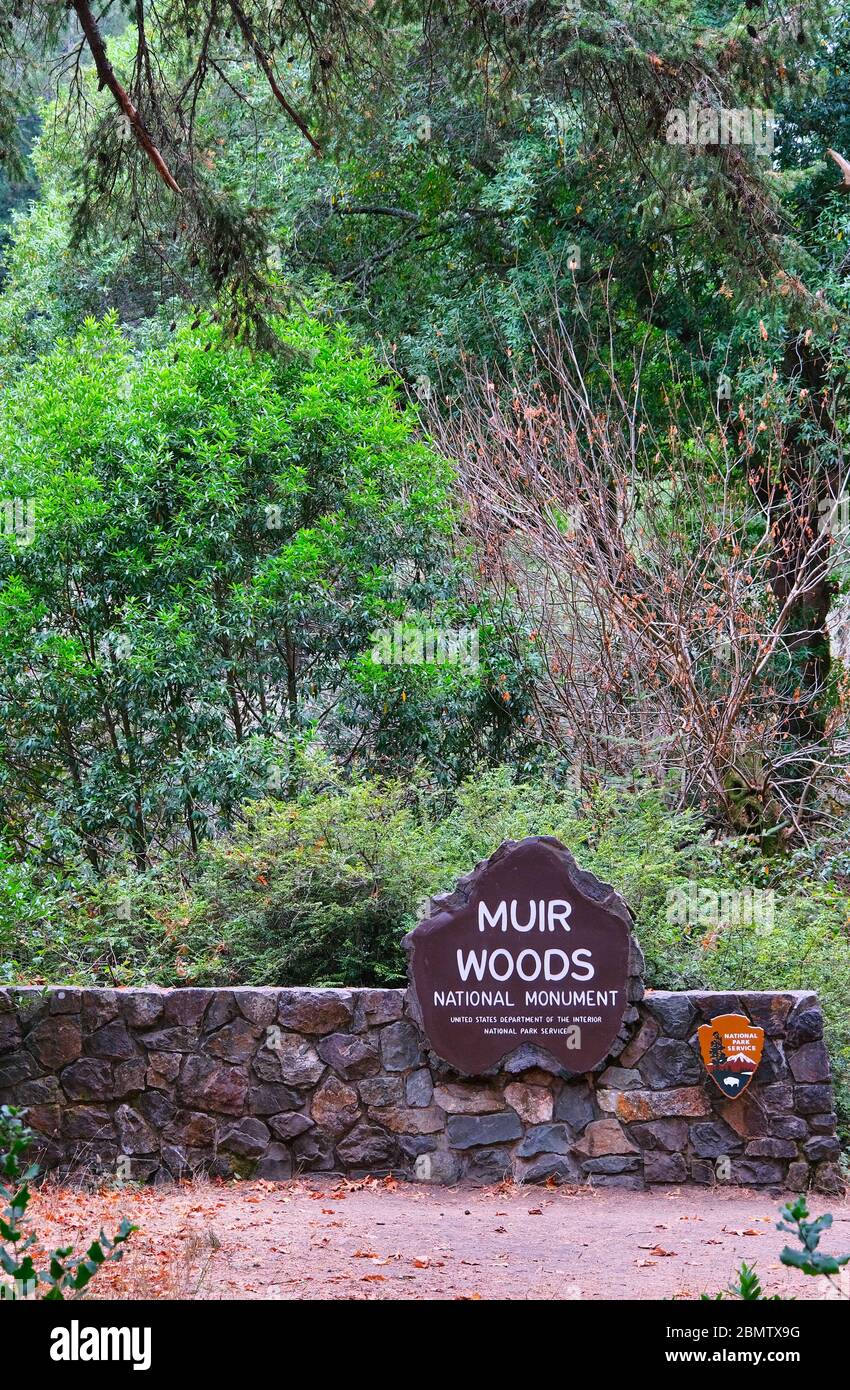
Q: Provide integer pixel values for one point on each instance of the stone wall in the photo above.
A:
(159, 1084)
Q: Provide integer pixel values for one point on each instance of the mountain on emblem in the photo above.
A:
(731, 1049)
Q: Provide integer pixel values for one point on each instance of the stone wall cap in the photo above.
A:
(206, 989)
(741, 994)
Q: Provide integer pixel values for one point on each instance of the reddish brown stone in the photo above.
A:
(349, 1056)
(185, 1007)
(162, 1069)
(56, 1041)
(424, 1120)
(810, 1063)
(640, 1043)
(206, 1084)
(10, 1032)
(89, 1078)
(745, 1115)
(335, 1106)
(235, 1042)
(768, 1011)
(191, 1128)
(44, 1119)
(533, 1104)
(457, 1098)
(654, 1105)
(315, 1010)
(112, 1041)
(257, 1005)
(605, 1137)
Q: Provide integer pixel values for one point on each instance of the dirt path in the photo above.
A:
(339, 1239)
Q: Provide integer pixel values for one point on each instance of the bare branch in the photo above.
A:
(106, 78)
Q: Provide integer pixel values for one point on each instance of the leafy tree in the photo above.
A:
(142, 136)
(216, 537)
(601, 76)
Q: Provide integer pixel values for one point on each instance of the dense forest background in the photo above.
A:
(325, 329)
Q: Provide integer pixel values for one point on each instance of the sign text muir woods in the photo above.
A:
(529, 949)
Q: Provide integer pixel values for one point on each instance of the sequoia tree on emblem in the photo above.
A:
(731, 1049)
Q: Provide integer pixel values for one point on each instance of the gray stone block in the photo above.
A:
(551, 1139)
(248, 1137)
(467, 1131)
(400, 1046)
(574, 1106)
(275, 1164)
(670, 1063)
(366, 1146)
(674, 1013)
(419, 1088)
(485, 1167)
(613, 1163)
(558, 1168)
(664, 1167)
(713, 1138)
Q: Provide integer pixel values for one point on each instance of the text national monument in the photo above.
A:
(529, 950)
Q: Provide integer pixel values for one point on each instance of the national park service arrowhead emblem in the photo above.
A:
(731, 1049)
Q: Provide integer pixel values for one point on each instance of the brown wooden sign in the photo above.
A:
(529, 949)
(731, 1049)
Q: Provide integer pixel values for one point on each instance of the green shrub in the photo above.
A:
(808, 1259)
(320, 890)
